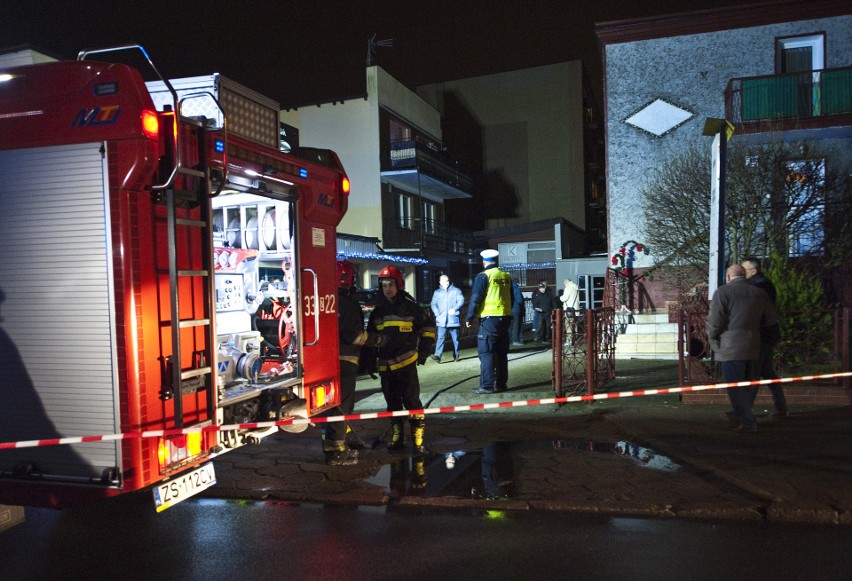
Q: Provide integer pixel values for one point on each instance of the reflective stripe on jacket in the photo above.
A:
(409, 329)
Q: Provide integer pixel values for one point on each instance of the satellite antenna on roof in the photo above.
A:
(372, 44)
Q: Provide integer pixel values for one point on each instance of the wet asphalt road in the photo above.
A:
(125, 539)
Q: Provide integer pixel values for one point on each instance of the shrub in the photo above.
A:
(806, 319)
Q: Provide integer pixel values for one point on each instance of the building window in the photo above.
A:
(801, 53)
(430, 218)
(806, 182)
(404, 208)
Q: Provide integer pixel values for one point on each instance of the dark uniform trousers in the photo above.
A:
(493, 346)
(336, 431)
(401, 388)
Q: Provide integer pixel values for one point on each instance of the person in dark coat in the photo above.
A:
(738, 313)
(353, 337)
(769, 339)
(516, 331)
(543, 303)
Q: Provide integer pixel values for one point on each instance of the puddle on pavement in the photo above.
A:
(488, 472)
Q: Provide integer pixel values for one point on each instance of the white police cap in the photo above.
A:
(489, 254)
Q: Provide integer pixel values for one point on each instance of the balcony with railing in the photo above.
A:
(811, 99)
(421, 169)
(412, 234)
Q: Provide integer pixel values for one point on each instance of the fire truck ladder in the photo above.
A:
(198, 374)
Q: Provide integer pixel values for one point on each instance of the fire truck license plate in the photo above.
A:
(182, 487)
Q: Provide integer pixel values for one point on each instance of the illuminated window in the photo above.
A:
(430, 218)
(404, 208)
(806, 184)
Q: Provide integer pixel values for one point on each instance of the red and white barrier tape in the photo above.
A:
(403, 413)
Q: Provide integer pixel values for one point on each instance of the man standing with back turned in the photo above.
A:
(768, 339)
(738, 312)
(491, 300)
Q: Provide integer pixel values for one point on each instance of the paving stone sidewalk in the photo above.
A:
(644, 456)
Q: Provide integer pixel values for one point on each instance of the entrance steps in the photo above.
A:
(647, 335)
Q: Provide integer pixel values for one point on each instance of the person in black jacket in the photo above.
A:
(410, 340)
(543, 304)
(769, 338)
(353, 337)
(516, 331)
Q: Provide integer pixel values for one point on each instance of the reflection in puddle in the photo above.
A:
(483, 474)
(642, 456)
(488, 473)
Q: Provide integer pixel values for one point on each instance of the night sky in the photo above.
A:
(301, 52)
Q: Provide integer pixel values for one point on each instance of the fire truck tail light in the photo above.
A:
(173, 452)
(193, 443)
(345, 186)
(150, 124)
(323, 394)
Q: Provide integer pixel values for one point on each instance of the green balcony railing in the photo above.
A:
(803, 95)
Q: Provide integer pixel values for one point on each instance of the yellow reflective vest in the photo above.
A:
(498, 296)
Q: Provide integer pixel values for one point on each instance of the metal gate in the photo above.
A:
(583, 350)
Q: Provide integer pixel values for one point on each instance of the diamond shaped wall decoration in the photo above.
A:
(659, 117)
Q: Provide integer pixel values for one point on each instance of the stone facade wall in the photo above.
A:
(690, 72)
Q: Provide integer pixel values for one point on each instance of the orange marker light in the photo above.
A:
(150, 124)
(345, 185)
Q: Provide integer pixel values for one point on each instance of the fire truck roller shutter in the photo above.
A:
(57, 336)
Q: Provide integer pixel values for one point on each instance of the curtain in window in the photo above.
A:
(796, 60)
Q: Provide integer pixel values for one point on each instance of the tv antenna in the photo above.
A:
(373, 44)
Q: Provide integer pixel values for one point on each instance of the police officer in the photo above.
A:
(353, 337)
(491, 301)
(410, 339)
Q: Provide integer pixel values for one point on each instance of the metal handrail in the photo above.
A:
(81, 56)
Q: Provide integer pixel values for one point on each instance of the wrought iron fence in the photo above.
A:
(583, 350)
(811, 342)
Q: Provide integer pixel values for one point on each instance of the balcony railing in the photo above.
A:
(793, 96)
(412, 154)
(425, 235)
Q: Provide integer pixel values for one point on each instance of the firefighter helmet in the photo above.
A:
(394, 273)
(345, 274)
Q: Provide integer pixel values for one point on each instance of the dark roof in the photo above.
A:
(712, 20)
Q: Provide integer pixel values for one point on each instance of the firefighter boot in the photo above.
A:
(418, 432)
(337, 454)
(352, 439)
(397, 441)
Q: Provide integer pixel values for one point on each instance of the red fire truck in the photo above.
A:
(165, 267)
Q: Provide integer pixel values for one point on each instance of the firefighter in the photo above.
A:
(352, 338)
(410, 333)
